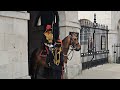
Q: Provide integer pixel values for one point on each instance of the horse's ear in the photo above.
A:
(73, 33)
(76, 34)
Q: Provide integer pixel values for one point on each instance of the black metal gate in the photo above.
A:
(116, 53)
(94, 43)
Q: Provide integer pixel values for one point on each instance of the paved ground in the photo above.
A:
(106, 71)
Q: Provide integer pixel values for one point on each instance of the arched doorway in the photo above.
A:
(116, 46)
(118, 30)
(36, 27)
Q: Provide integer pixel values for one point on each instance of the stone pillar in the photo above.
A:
(112, 39)
(69, 23)
(14, 44)
(113, 35)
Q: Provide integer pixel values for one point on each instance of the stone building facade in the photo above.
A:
(110, 18)
(14, 39)
(14, 43)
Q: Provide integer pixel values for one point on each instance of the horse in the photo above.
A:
(38, 62)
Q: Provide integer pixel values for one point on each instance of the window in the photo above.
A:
(103, 43)
(90, 44)
(84, 35)
(55, 19)
(39, 22)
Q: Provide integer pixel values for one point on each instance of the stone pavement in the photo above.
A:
(106, 71)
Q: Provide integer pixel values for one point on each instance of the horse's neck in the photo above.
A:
(66, 45)
(65, 51)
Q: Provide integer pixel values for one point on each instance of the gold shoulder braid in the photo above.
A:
(49, 36)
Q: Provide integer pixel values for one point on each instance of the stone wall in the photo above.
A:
(114, 34)
(69, 23)
(13, 44)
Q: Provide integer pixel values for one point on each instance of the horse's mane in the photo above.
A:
(64, 39)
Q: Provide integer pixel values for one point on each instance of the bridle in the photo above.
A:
(65, 71)
(72, 50)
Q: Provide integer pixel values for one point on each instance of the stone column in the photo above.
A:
(113, 35)
(112, 39)
(14, 44)
(69, 23)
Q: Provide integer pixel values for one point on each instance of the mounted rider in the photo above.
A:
(55, 60)
(54, 45)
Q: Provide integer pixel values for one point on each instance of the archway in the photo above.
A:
(116, 47)
(118, 30)
(36, 27)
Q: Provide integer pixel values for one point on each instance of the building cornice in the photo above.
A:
(15, 14)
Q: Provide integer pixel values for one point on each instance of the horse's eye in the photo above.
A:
(75, 39)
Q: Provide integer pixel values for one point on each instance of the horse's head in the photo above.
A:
(74, 42)
(70, 40)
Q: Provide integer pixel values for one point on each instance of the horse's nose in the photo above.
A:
(78, 47)
(77, 44)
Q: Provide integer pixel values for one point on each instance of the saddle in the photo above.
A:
(43, 56)
(44, 53)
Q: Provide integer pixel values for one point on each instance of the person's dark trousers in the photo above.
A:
(57, 74)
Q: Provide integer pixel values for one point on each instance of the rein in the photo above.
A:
(72, 50)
